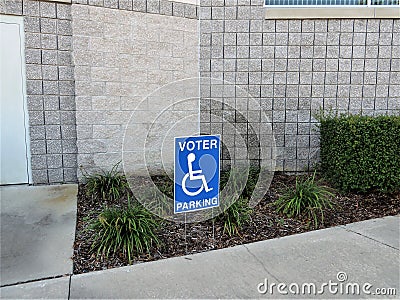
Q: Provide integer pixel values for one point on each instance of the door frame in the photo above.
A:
(19, 20)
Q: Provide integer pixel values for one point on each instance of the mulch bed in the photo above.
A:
(265, 224)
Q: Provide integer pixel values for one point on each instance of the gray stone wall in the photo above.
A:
(50, 88)
(160, 57)
(90, 64)
(159, 7)
(296, 67)
(120, 57)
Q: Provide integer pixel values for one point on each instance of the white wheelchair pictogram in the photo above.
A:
(194, 175)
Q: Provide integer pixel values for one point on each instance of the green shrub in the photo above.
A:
(128, 230)
(235, 216)
(306, 198)
(109, 185)
(361, 153)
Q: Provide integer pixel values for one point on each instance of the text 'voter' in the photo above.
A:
(198, 145)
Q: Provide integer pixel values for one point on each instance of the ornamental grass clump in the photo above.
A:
(129, 231)
(107, 185)
(308, 198)
(235, 216)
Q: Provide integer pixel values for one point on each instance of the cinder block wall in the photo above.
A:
(50, 87)
(90, 63)
(120, 57)
(296, 67)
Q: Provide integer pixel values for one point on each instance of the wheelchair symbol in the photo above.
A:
(194, 175)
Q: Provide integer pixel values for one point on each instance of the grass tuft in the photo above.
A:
(307, 197)
(130, 230)
(108, 185)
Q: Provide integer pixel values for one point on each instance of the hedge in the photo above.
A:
(361, 153)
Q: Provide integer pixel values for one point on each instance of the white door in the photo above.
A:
(14, 135)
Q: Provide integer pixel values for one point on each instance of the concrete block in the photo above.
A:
(96, 3)
(282, 26)
(84, 131)
(243, 52)
(231, 13)
(257, 13)
(54, 161)
(256, 39)
(48, 26)
(70, 175)
(49, 57)
(56, 175)
(372, 38)
(53, 146)
(111, 3)
(66, 73)
(32, 40)
(50, 72)
(48, 10)
(31, 8)
(386, 25)
(38, 177)
(66, 88)
(217, 13)
(280, 64)
(33, 71)
(385, 51)
(32, 24)
(32, 56)
(48, 41)
(67, 118)
(178, 9)
(34, 87)
(243, 13)
(360, 25)
(166, 7)
(35, 102)
(153, 6)
(63, 11)
(38, 147)
(242, 25)
(53, 132)
(64, 27)
(38, 162)
(12, 7)
(64, 42)
(50, 87)
(68, 131)
(269, 26)
(52, 117)
(125, 4)
(69, 146)
(384, 64)
(37, 132)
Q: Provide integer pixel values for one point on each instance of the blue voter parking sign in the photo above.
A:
(196, 173)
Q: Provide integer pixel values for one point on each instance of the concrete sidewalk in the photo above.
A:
(37, 232)
(364, 254)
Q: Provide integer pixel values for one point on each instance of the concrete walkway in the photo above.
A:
(37, 232)
(364, 254)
